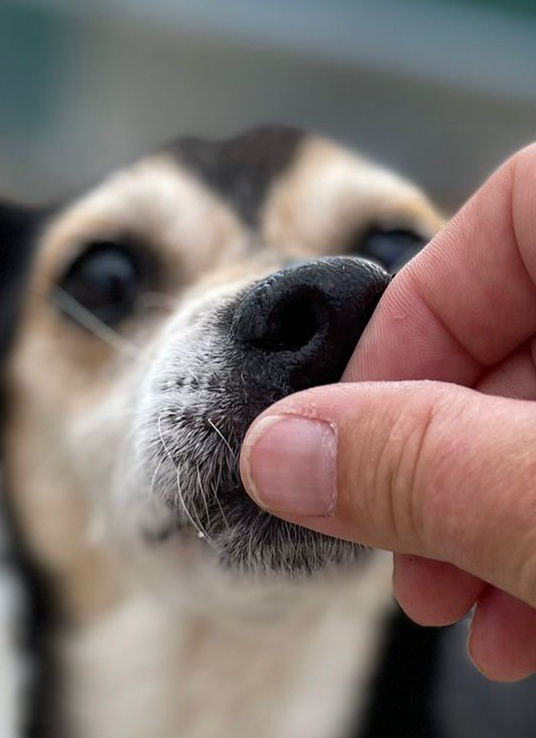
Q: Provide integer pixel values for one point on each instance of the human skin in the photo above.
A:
(428, 447)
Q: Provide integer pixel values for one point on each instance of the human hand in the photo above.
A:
(442, 474)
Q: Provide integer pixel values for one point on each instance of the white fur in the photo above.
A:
(151, 670)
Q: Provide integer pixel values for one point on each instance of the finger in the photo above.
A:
(423, 468)
(434, 592)
(502, 642)
(469, 299)
(503, 630)
(514, 377)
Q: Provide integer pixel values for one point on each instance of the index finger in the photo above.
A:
(469, 298)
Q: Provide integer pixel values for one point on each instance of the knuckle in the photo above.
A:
(412, 437)
(395, 464)
(419, 468)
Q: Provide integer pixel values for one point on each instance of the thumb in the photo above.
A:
(424, 468)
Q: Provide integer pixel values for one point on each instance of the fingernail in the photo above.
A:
(290, 465)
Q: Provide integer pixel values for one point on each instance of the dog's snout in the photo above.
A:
(307, 319)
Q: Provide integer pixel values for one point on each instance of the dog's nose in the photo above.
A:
(305, 321)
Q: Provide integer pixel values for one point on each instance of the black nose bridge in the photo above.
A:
(310, 316)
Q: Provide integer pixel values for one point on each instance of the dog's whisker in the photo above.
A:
(203, 494)
(201, 530)
(195, 523)
(214, 489)
(225, 441)
(194, 376)
(90, 322)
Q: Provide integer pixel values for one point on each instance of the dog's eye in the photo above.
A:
(106, 280)
(391, 248)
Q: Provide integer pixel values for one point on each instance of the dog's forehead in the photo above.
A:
(303, 192)
(210, 203)
(243, 169)
(196, 197)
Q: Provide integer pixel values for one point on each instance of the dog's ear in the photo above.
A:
(21, 632)
(18, 227)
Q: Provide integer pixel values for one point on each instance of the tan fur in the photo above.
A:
(332, 195)
(136, 667)
(163, 206)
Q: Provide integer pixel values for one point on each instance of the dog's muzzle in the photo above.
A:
(293, 330)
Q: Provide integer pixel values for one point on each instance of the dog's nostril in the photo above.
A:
(305, 321)
(293, 321)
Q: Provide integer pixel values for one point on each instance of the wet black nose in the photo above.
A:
(304, 322)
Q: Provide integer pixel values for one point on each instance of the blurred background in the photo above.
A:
(443, 90)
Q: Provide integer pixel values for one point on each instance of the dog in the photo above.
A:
(144, 325)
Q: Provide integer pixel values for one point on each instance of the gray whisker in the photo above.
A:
(196, 523)
(218, 431)
(87, 320)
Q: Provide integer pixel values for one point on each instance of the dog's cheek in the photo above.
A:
(62, 447)
(173, 423)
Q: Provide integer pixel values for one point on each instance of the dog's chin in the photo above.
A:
(195, 484)
(285, 550)
(240, 537)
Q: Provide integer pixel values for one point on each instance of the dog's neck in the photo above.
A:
(138, 666)
(145, 668)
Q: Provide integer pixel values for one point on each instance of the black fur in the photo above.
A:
(403, 692)
(18, 229)
(241, 170)
(41, 712)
